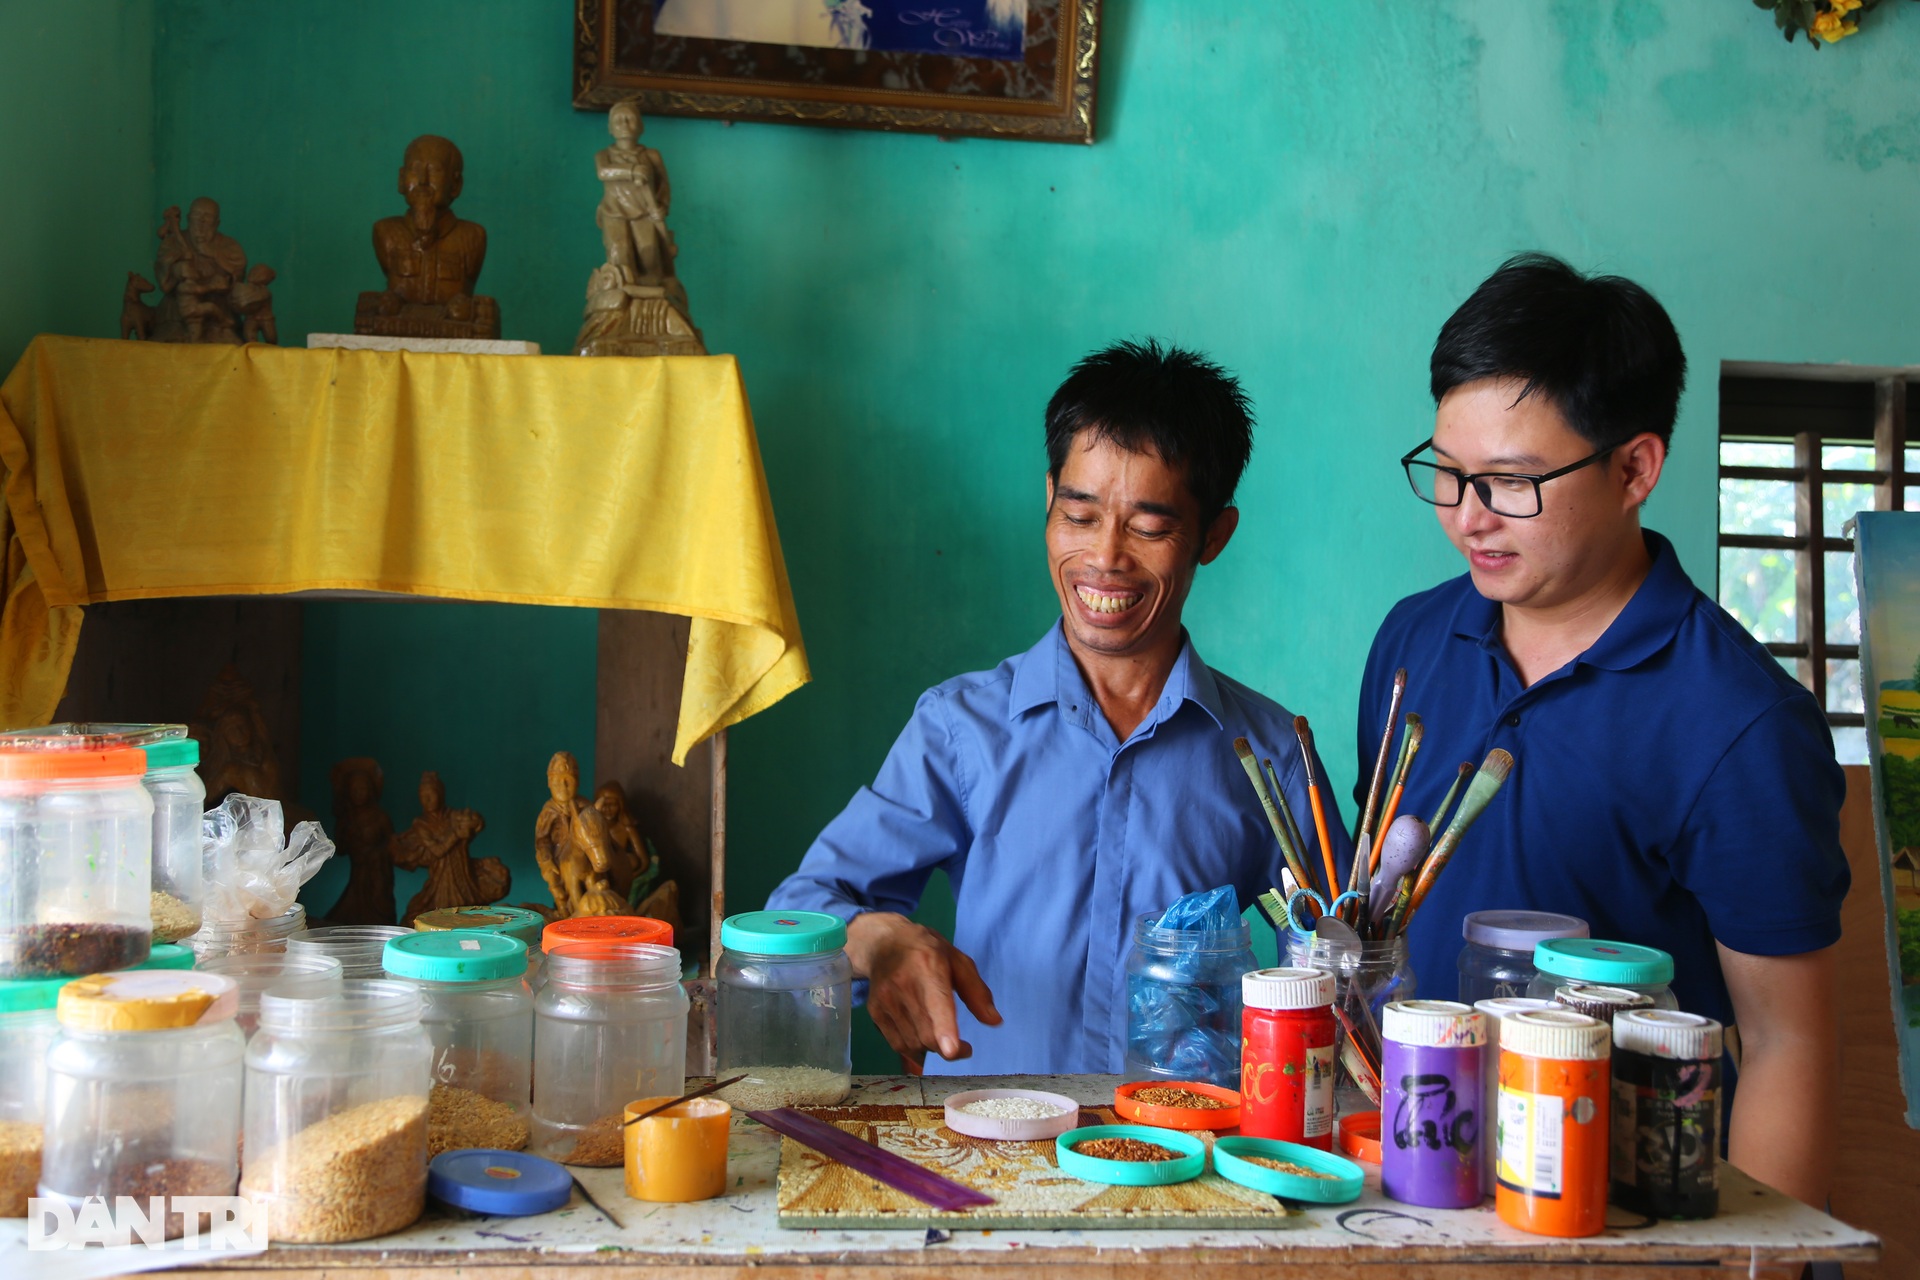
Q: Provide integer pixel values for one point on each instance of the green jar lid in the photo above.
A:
(783, 933)
(172, 753)
(26, 995)
(1613, 964)
(514, 922)
(455, 955)
(167, 955)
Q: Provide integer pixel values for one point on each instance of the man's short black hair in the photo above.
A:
(1176, 403)
(1599, 347)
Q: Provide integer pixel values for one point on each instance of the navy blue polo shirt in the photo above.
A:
(1672, 785)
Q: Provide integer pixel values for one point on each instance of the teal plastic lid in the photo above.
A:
(172, 753)
(1614, 964)
(783, 933)
(167, 955)
(26, 995)
(514, 922)
(455, 955)
(1340, 1182)
(1189, 1162)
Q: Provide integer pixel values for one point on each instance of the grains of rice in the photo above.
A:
(358, 1173)
(1163, 1096)
(461, 1118)
(1011, 1108)
(1131, 1150)
(1286, 1166)
(602, 1144)
(768, 1087)
(172, 918)
(19, 1166)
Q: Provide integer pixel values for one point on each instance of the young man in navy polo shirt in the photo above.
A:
(1674, 786)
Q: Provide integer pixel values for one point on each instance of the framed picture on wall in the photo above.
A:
(977, 68)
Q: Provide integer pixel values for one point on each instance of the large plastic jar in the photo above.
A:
(258, 974)
(784, 990)
(27, 1029)
(76, 848)
(247, 936)
(1562, 961)
(475, 1005)
(337, 1112)
(1497, 961)
(143, 1089)
(610, 1025)
(1367, 978)
(360, 948)
(1183, 1002)
(595, 929)
(178, 799)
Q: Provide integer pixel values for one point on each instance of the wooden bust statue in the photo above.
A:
(438, 841)
(573, 847)
(431, 258)
(364, 833)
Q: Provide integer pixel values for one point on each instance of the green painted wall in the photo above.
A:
(76, 147)
(1306, 193)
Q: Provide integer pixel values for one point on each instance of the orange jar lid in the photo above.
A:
(607, 929)
(55, 766)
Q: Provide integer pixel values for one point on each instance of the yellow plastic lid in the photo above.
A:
(147, 1000)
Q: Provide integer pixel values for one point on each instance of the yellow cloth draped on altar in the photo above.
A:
(136, 470)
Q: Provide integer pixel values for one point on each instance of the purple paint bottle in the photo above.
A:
(1432, 1095)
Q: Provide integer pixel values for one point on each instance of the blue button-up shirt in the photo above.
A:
(1673, 784)
(1056, 837)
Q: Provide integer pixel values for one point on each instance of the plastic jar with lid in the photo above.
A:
(1561, 961)
(1374, 973)
(76, 853)
(476, 1007)
(27, 1029)
(247, 936)
(337, 1111)
(143, 1089)
(1183, 1002)
(258, 974)
(360, 948)
(511, 922)
(178, 800)
(784, 996)
(595, 929)
(610, 1025)
(1498, 959)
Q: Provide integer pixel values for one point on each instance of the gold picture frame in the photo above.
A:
(1045, 95)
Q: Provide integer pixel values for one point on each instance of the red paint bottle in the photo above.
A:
(1286, 1056)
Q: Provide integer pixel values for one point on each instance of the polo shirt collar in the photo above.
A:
(1047, 671)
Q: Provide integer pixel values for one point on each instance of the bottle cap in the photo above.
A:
(783, 933)
(167, 955)
(1556, 1033)
(514, 922)
(1280, 989)
(507, 1184)
(1519, 930)
(607, 929)
(26, 995)
(147, 1000)
(1433, 1024)
(88, 735)
(1499, 1008)
(1667, 1033)
(455, 955)
(25, 764)
(1617, 964)
(1600, 1002)
(172, 753)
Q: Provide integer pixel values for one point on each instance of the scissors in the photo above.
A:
(1319, 905)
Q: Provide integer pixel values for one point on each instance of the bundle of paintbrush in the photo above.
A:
(1395, 859)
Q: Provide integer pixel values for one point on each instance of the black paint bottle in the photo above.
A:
(1666, 1113)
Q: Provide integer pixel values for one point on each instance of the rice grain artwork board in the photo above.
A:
(1887, 575)
(1029, 1190)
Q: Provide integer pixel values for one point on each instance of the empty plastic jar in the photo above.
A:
(360, 948)
(27, 1029)
(248, 936)
(178, 799)
(476, 1007)
(784, 990)
(143, 1089)
(1561, 961)
(76, 852)
(610, 1025)
(337, 1112)
(1498, 958)
(258, 974)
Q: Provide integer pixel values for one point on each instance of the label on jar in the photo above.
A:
(1319, 1117)
(1532, 1143)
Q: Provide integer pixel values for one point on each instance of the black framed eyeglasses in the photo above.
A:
(1505, 493)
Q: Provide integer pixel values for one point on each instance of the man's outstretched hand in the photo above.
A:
(913, 975)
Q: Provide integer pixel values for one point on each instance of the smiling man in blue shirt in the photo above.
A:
(1083, 783)
(1673, 786)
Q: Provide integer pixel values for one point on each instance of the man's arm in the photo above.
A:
(1786, 1112)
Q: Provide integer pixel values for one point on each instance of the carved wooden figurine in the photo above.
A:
(236, 748)
(573, 847)
(636, 874)
(636, 305)
(206, 291)
(438, 841)
(364, 834)
(431, 258)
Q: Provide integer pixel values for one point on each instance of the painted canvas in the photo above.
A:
(968, 28)
(1887, 570)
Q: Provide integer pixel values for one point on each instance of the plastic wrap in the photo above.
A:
(252, 869)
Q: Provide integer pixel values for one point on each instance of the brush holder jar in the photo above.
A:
(1497, 961)
(784, 987)
(1183, 1002)
(1367, 977)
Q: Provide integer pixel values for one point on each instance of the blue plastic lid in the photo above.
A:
(783, 933)
(172, 753)
(167, 955)
(454, 955)
(27, 995)
(1613, 964)
(506, 1184)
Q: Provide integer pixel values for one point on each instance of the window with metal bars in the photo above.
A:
(1802, 448)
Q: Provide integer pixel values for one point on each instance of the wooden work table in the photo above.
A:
(1371, 1239)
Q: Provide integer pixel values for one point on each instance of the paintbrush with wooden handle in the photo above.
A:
(1303, 731)
(1376, 790)
(1244, 750)
(1480, 792)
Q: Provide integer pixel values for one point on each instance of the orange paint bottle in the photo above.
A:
(1552, 1125)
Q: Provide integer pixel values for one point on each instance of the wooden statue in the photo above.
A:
(431, 258)
(206, 291)
(438, 841)
(636, 874)
(236, 749)
(573, 847)
(636, 305)
(364, 834)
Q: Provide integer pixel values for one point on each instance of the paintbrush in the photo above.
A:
(1446, 801)
(1376, 789)
(1244, 750)
(1409, 748)
(1304, 732)
(1286, 815)
(1493, 772)
(701, 1092)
